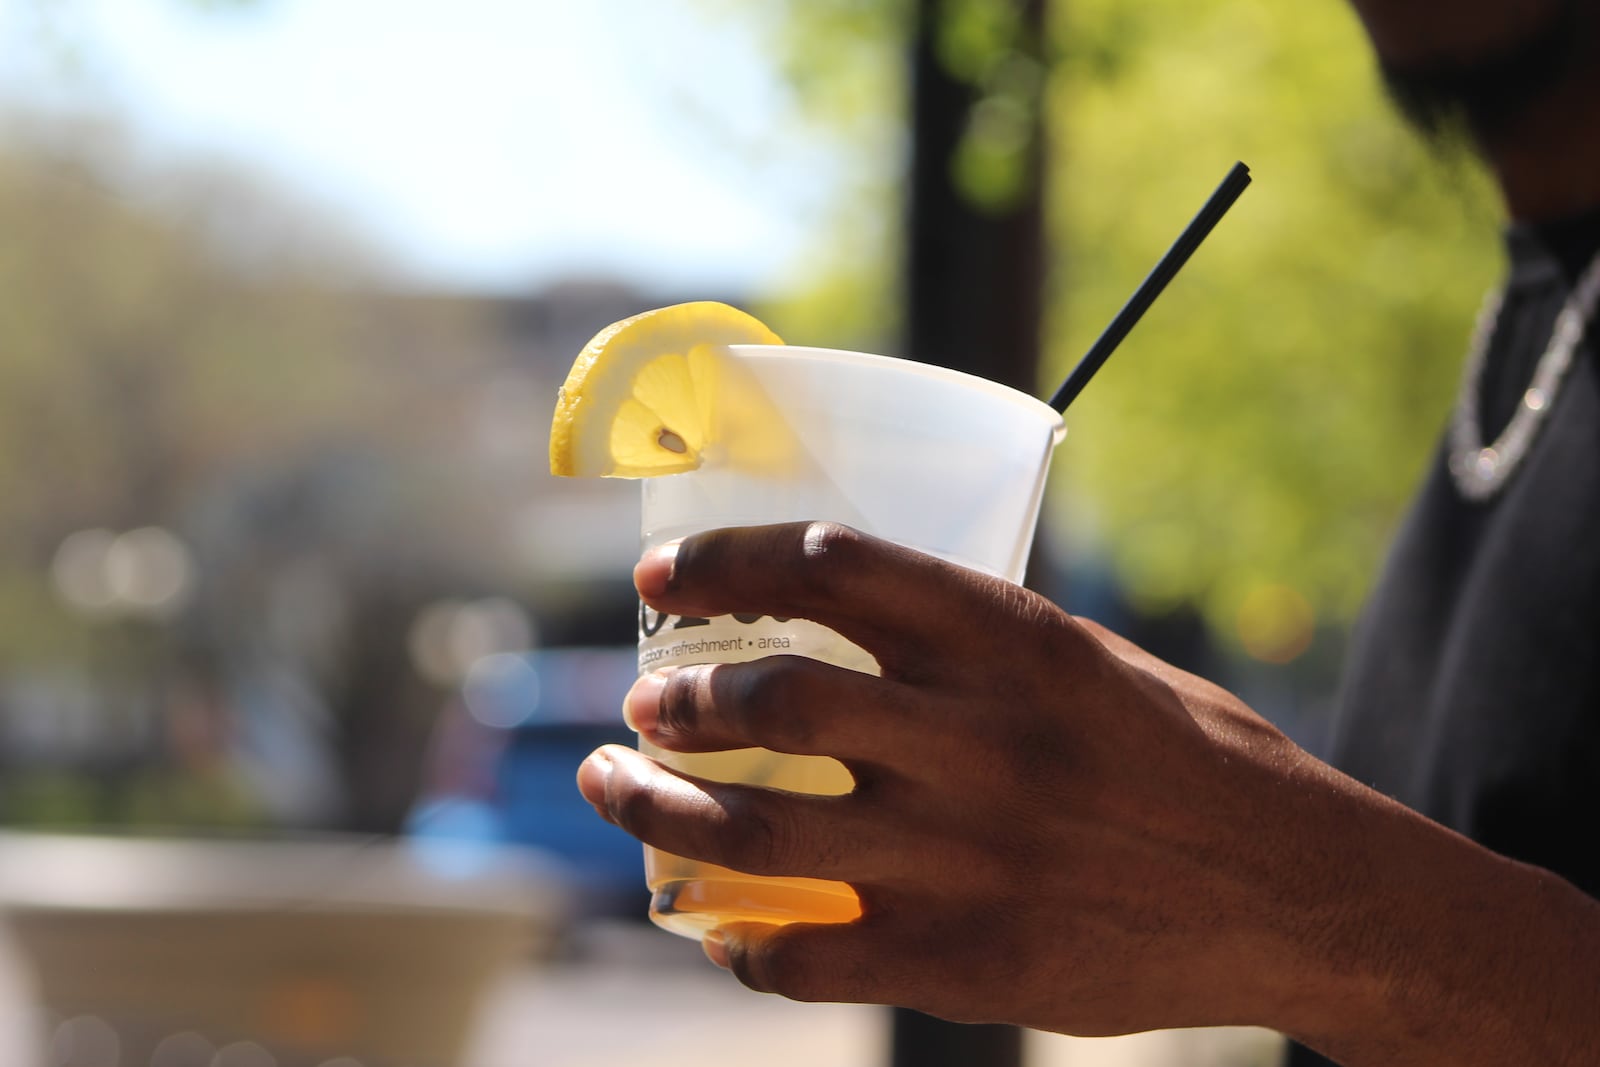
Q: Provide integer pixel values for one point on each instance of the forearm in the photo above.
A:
(1437, 951)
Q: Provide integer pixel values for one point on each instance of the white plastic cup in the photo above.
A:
(944, 462)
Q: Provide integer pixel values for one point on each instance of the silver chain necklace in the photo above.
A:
(1481, 470)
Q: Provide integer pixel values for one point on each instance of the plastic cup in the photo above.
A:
(944, 462)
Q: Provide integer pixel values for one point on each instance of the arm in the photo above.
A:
(1054, 829)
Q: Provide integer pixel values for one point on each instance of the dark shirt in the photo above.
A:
(1472, 692)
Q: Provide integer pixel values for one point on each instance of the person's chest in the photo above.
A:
(1473, 688)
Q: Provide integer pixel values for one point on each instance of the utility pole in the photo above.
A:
(974, 280)
(974, 274)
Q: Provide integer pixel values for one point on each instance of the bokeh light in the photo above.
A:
(149, 570)
(85, 1041)
(449, 636)
(1276, 623)
(502, 690)
(144, 572)
(243, 1054)
(186, 1049)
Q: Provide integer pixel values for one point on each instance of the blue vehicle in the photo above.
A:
(504, 771)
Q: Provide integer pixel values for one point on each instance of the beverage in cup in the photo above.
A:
(943, 462)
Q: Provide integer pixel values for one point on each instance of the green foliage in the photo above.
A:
(1268, 419)
(152, 800)
(988, 45)
(846, 65)
(1263, 427)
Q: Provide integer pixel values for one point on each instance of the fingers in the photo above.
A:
(873, 960)
(846, 962)
(783, 703)
(744, 828)
(903, 606)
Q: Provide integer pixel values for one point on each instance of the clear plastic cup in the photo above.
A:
(944, 462)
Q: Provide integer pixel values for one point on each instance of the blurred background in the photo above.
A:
(286, 289)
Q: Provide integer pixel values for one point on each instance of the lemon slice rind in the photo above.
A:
(642, 399)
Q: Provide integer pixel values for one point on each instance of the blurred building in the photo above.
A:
(226, 609)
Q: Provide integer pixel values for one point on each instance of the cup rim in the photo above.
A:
(899, 365)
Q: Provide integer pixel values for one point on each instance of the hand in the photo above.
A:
(1038, 807)
(1049, 826)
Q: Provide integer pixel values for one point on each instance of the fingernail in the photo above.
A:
(715, 946)
(654, 574)
(594, 774)
(641, 708)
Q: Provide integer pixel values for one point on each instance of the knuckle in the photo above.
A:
(631, 808)
(764, 700)
(698, 552)
(816, 964)
(832, 552)
(753, 685)
(756, 838)
(777, 964)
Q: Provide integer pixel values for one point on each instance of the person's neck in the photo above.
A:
(1548, 166)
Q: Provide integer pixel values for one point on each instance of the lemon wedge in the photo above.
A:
(650, 394)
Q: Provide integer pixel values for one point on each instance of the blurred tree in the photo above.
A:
(847, 64)
(975, 228)
(1253, 441)
(219, 366)
(1265, 424)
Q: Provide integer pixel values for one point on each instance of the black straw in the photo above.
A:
(1151, 287)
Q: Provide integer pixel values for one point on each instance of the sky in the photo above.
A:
(480, 144)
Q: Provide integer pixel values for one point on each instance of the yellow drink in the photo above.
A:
(690, 897)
